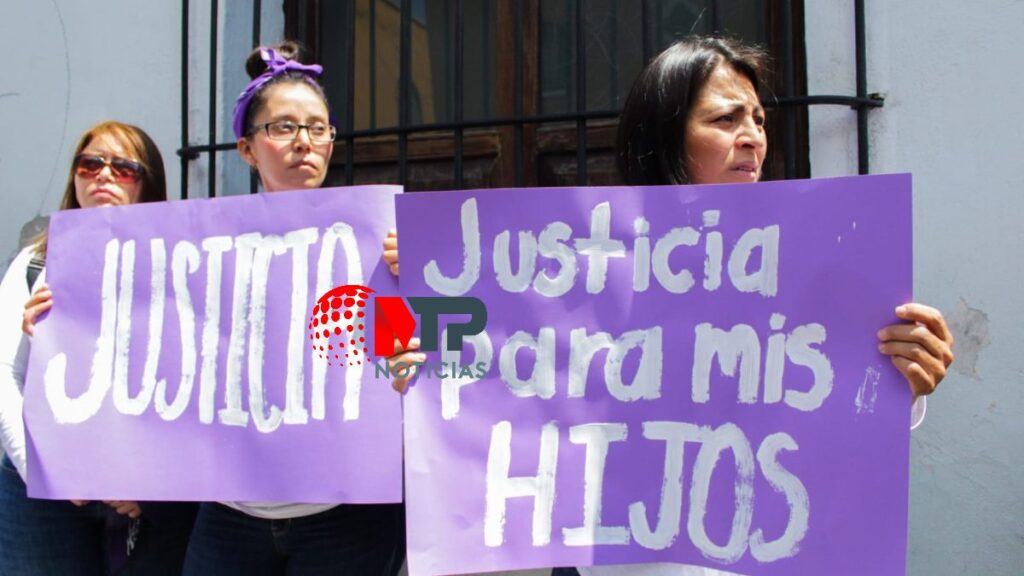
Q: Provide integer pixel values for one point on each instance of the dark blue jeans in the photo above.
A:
(52, 537)
(356, 540)
(57, 538)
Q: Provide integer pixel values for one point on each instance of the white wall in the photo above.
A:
(69, 65)
(951, 77)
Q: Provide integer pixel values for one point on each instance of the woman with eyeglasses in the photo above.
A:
(282, 123)
(693, 116)
(114, 164)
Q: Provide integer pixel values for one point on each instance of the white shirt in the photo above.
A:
(278, 510)
(14, 347)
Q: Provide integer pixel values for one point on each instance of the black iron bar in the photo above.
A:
(862, 102)
(788, 114)
(581, 96)
(850, 101)
(350, 92)
(855, 102)
(613, 44)
(460, 24)
(405, 45)
(517, 91)
(373, 61)
(647, 36)
(185, 156)
(863, 153)
(213, 97)
(257, 8)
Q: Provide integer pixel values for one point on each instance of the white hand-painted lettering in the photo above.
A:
(500, 487)
(248, 262)
(596, 437)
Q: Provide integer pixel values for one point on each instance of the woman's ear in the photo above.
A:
(245, 151)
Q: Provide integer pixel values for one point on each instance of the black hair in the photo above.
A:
(650, 147)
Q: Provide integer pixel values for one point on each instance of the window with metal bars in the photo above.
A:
(450, 94)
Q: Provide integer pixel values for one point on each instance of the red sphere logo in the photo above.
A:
(337, 326)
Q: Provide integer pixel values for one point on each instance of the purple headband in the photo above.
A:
(276, 65)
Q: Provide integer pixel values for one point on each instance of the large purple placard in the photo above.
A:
(178, 360)
(673, 374)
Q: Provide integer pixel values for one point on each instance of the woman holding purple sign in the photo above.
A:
(114, 164)
(693, 116)
(284, 133)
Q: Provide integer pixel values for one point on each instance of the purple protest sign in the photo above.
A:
(180, 359)
(673, 374)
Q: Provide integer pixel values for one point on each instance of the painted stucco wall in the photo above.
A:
(949, 72)
(69, 65)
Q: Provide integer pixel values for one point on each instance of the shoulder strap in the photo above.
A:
(35, 267)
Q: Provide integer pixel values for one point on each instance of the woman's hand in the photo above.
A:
(404, 358)
(125, 507)
(403, 361)
(391, 251)
(41, 301)
(922, 349)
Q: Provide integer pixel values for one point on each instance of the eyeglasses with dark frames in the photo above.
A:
(286, 130)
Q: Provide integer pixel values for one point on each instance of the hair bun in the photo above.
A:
(289, 50)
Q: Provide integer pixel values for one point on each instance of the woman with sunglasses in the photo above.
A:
(693, 116)
(282, 123)
(114, 164)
